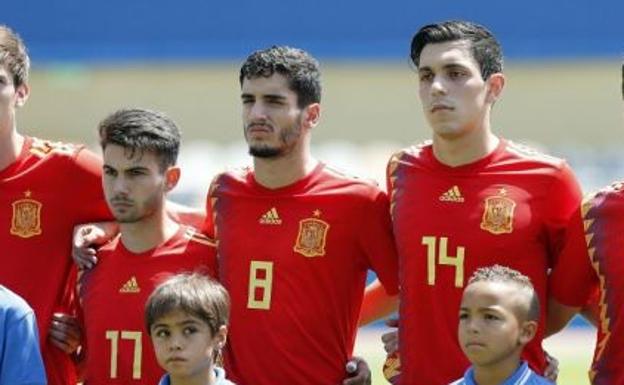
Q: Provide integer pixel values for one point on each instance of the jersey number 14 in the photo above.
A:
(437, 254)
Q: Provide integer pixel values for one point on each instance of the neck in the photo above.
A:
(10, 147)
(149, 232)
(458, 151)
(201, 378)
(498, 372)
(284, 170)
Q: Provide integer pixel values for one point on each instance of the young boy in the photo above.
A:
(498, 316)
(186, 317)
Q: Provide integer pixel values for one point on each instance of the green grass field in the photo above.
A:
(572, 347)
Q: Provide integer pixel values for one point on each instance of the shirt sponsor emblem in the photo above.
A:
(26, 221)
(271, 217)
(312, 236)
(452, 195)
(131, 286)
(498, 214)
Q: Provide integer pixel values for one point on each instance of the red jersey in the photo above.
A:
(294, 260)
(509, 208)
(113, 296)
(49, 189)
(592, 259)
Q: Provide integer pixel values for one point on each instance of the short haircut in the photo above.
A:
(484, 47)
(193, 293)
(503, 274)
(142, 130)
(299, 67)
(13, 55)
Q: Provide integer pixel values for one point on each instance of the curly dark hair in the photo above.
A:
(504, 274)
(299, 67)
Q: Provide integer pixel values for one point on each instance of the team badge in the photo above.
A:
(312, 236)
(498, 214)
(26, 220)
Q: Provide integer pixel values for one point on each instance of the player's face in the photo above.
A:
(271, 118)
(454, 96)
(134, 186)
(185, 346)
(10, 97)
(489, 331)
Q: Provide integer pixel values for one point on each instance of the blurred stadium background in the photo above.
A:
(562, 64)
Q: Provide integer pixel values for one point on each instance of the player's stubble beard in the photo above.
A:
(288, 139)
(139, 212)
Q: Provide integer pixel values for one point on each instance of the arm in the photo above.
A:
(558, 316)
(377, 303)
(21, 361)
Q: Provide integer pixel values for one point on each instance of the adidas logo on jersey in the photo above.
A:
(131, 286)
(270, 218)
(452, 195)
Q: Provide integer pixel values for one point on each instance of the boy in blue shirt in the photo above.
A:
(186, 317)
(498, 316)
(20, 358)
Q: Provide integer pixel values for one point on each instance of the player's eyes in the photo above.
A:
(109, 172)
(463, 316)
(190, 330)
(491, 317)
(426, 77)
(455, 74)
(162, 333)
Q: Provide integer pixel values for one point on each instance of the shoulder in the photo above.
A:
(13, 306)
(410, 154)
(344, 183)
(531, 155)
(43, 148)
(608, 194)
(194, 236)
(76, 156)
(238, 176)
(458, 382)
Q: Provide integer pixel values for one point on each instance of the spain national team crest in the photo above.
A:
(312, 236)
(498, 215)
(26, 220)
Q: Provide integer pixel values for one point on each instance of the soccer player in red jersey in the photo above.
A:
(46, 188)
(592, 262)
(467, 199)
(140, 149)
(295, 236)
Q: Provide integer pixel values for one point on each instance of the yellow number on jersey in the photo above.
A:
(437, 253)
(265, 284)
(113, 336)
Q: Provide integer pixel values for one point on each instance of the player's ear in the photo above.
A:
(21, 94)
(527, 331)
(311, 115)
(172, 176)
(221, 336)
(496, 83)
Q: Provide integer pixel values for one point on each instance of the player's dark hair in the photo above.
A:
(13, 55)
(498, 273)
(484, 47)
(299, 67)
(142, 130)
(192, 293)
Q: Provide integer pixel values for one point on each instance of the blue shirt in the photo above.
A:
(522, 376)
(20, 358)
(219, 373)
